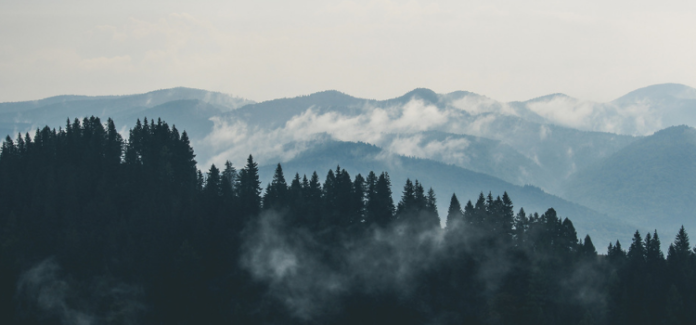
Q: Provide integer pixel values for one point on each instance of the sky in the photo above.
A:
(260, 50)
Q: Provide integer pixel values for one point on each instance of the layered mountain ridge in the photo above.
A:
(560, 145)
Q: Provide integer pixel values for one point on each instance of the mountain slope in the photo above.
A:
(398, 125)
(651, 182)
(26, 116)
(445, 180)
(658, 93)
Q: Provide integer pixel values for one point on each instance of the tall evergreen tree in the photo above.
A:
(276, 196)
(249, 189)
(381, 207)
(588, 251)
(314, 199)
(213, 182)
(359, 194)
(455, 216)
(521, 228)
(431, 214)
(229, 180)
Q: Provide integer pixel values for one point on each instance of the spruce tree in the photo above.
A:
(358, 200)
(249, 189)
(455, 216)
(431, 215)
(382, 205)
(521, 228)
(313, 198)
(588, 250)
(213, 182)
(636, 252)
(370, 198)
(469, 214)
(408, 200)
(229, 180)
(479, 211)
(276, 196)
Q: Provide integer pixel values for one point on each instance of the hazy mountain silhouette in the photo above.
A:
(651, 182)
(445, 180)
(542, 141)
(26, 116)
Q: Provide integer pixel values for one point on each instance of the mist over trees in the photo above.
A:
(95, 229)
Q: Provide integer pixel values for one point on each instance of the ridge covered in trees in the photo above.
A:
(100, 230)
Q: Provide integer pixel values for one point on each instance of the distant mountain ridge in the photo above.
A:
(650, 183)
(26, 116)
(552, 142)
(445, 179)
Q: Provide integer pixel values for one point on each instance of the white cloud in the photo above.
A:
(476, 105)
(639, 118)
(234, 140)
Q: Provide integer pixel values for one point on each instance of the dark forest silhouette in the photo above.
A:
(97, 229)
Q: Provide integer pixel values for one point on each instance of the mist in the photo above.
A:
(316, 281)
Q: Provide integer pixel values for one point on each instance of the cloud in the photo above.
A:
(293, 263)
(476, 105)
(234, 139)
(639, 118)
(451, 149)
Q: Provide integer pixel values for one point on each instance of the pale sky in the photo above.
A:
(260, 50)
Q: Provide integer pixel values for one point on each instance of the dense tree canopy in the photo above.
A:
(98, 229)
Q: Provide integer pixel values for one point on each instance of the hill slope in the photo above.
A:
(651, 182)
(53, 111)
(445, 180)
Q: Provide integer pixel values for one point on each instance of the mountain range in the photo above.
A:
(610, 167)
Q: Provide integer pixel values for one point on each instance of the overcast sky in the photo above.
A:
(504, 49)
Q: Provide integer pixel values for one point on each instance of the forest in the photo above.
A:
(95, 229)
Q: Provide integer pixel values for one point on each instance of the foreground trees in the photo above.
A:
(97, 229)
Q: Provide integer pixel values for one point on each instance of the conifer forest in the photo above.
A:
(95, 229)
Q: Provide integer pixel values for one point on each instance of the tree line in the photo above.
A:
(105, 230)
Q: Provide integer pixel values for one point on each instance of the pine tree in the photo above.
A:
(653, 252)
(507, 217)
(347, 206)
(381, 207)
(455, 216)
(521, 228)
(358, 200)
(469, 214)
(229, 180)
(213, 182)
(636, 252)
(420, 199)
(615, 254)
(249, 189)
(296, 201)
(370, 198)
(654, 284)
(313, 197)
(431, 202)
(113, 146)
(432, 218)
(480, 211)
(276, 196)
(408, 200)
(682, 250)
(568, 237)
(588, 250)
